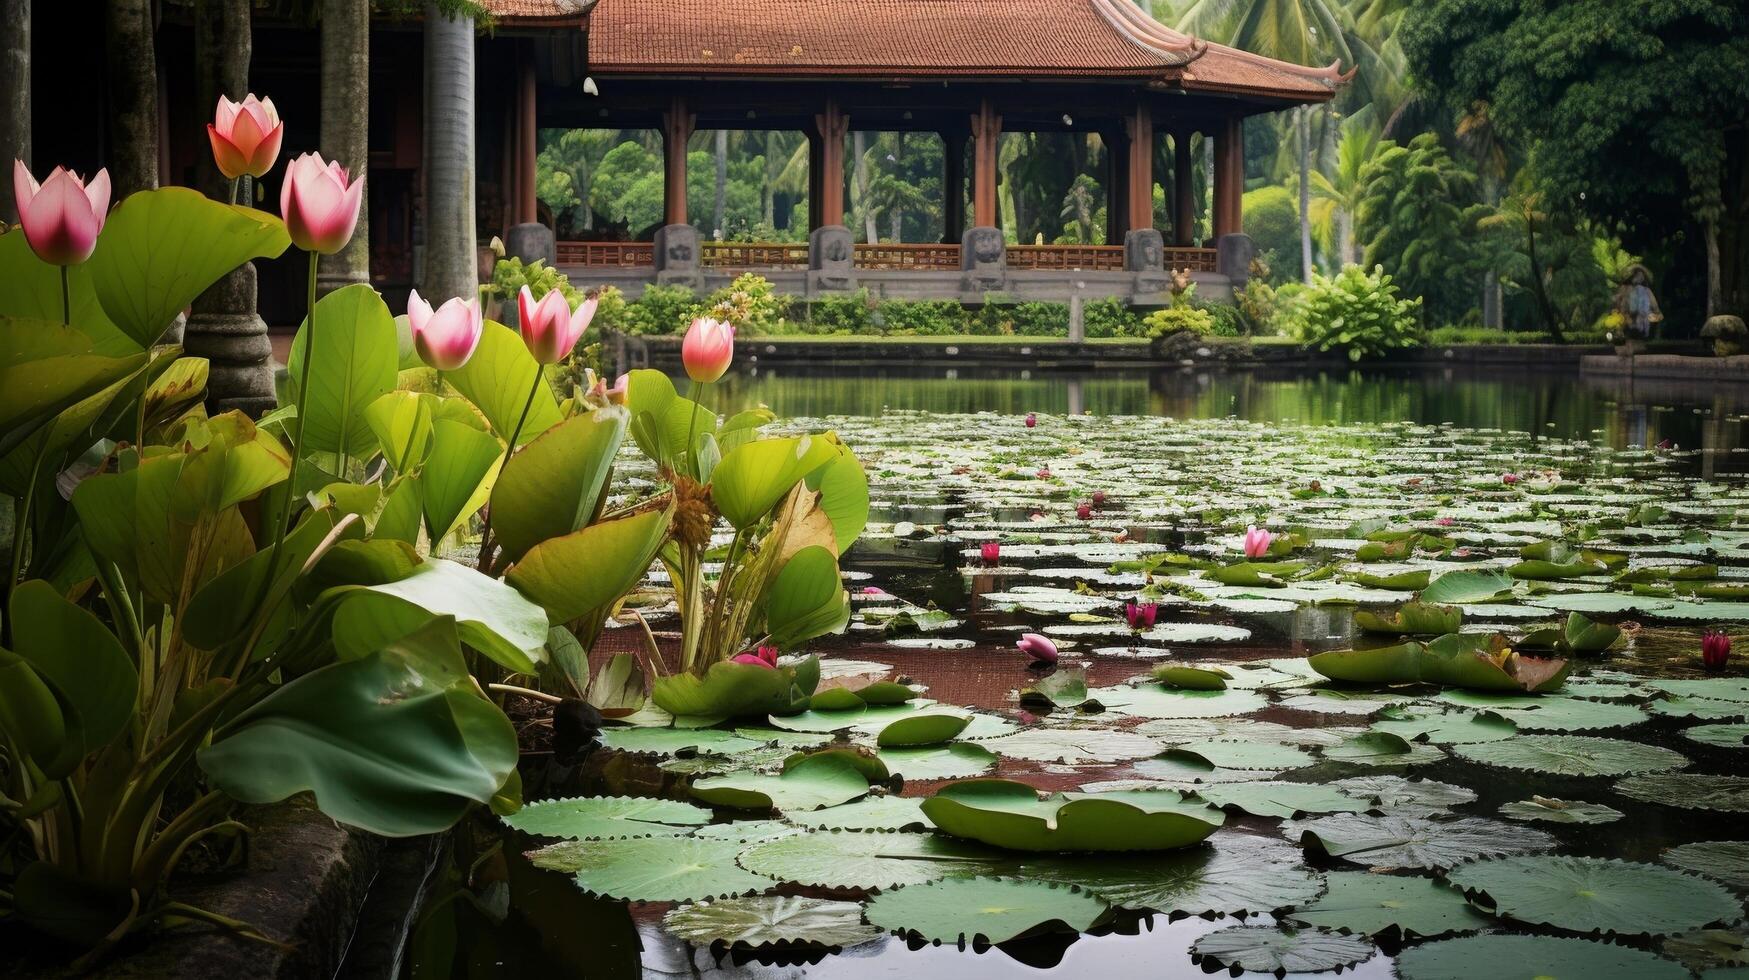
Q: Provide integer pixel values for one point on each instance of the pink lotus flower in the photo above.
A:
(1445, 522)
(1084, 511)
(1044, 473)
(1039, 648)
(1140, 615)
(245, 136)
(63, 215)
(751, 659)
(319, 203)
(550, 327)
(1031, 420)
(707, 350)
(1715, 650)
(1257, 542)
(447, 338)
(765, 656)
(991, 552)
(1509, 478)
(1099, 498)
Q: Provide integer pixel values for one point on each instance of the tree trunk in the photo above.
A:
(768, 192)
(451, 266)
(1714, 292)
(131, 54)
(15, 84)
(1493, 300)
(871, 230)
(1208, 184)
(345, 133)
(1345, 237)
(1305, 132)
(898, 215)
(719, 213)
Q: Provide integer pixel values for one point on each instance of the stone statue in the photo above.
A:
(1728, 334)
(1635, 305)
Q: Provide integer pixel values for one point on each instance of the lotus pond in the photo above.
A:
(1452, 721)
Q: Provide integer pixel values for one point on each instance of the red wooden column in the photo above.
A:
(1140, 128)
(677, 125)
(1229, 177)
(986, 132)
(527, 144)
(1183, 190)
(832, 125)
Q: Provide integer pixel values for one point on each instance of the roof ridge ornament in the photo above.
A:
(1147, 32)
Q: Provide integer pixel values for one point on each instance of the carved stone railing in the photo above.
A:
(1081, 258)
(1194, 259)
(607, 254)
(754, 255)
(920, 257)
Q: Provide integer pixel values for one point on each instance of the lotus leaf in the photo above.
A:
(1574, 755)
(663, 869)
(600, 817)
(771, 920)
(985, 910)
(809, 783)
(1723, 860)
(1403, 905)
(1502, 957)
(868, 860)
(1228, 874)
(1280, 950)
(1011, 815)
(1414, 842)
(1559, 811)
(732, 690)
(1592, 895)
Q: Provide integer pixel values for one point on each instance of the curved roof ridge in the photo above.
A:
(1178, 48)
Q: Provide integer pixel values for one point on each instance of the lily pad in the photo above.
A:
(1281, 950)
(1072, 745)
(1723, 860)
(1278, 799)
(1009, 814)
(1228, 874)
(956, 760)
(1466, 586)
(602, 817)
(1414, 842)
(810, 783)
(1154, 701)
(873, 813)
(1445, 727)
(1559, 811)
(1406, 797)
(1574, 755)
(924, 728)
(1595, 895)
(668, 741)
(1721, 736)
(664, 869)
(1244, 755)
(1377, 748)
(1502, 957)
(771, 920)
(867, 860)
(1690, 790)
(1370, 904)
(985, 910)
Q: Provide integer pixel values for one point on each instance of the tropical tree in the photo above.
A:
(1410, 215)
(1337, 196)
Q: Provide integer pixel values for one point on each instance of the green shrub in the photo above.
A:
(663, 310)
(1354, 310)
(1272, 219)
(611, 309)
(752, 305)
(1036, 319)
(510, 275)
(850, 314)
(1257, 303)
(1485, 335)
(921, 318)
(1228, 320)
(1112, 317)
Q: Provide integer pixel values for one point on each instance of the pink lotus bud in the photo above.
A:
(1099, 498)
(872, 590)
(991, 552)
(1509, 478)
(63, 215)
(1715, 650)
(1031, 420)
(752, 659)
(768, 653)
(447, 338)
(1044, 473)
(1257, 542)
(551, 328)
(1084, 511)
(1445, 522)
(1666, 444)
(620, 390)
(1141, 615)
(1039, 648)
(707, 350)
(245, 136)
(319, 203)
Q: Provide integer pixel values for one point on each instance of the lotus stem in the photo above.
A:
(525, 692)
(66, 299)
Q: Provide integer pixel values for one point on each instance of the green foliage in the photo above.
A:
(1354, 311)
(663, 310)
(1410, 218)
(1111, 317)
(509, 275)
(1182, 317)
(1272, 219)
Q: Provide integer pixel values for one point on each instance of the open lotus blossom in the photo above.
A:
(1509, 478)
(245, 136)
(1039, 648)
(991, 552)
(445, 339)
(550, 327)
(1445, 522)
(707, 350)
(1031, 420)
(1141, 615)
(61, 216)
(1044, 473)
(1257, 542)
(319, 203)
(1084, 511)
(1715, 650)
(765, 656)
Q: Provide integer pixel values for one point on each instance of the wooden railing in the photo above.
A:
(754, 255)
(607, 254)
(1194, 259)
(921, 257)
(1080, 258)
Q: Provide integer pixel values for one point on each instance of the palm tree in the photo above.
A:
(345, 132)
(864, 207)
(15, 82)
(132, 60)
(1338, 196)
(451, 268)
(1081, 206)
(719, 211)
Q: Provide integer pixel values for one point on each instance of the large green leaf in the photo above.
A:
(225, 607)
(732, 690)
(161, 248)
(810, 783)
(490, 616)
(807, 599)
(1588, 894)
(399, 742)
(989, 910)
(31, 288)
(554, 484)
(353, 367)
(457, 476)
(401, 422)
(1466, 586)
(1010, 814)
(46, 368)
(497, 380)
(29, 714)
(585, 572)
(82, 662)
(754, 477)
(843, 490)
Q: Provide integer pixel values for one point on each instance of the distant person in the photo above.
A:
(1636, 305)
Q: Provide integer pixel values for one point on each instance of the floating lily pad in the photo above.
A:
(1723, 860)
(1278, 799)
(1414, 842)
(771, 920)
(1550, 713)
(1229, 874)
(1701, 709)
(1009, 814)
(1194, 633)
(667, 741)
(663, 869)
(1690, 790)
(1406, 797)
(1073, 746)
(867, 859)
(1574, 755)
(985, 910)
(956, 760)
(873, 717)
(1411, 619)
(746, 831)
(601, 817)
(1445, 727)
(1154, 701)
(1722, 736)
(1379, 748)
(1370, 904)
(1281, 950)
(1586, 894)
(1244, 755)
(1192, 678)
(1466, 586)
(1559, 811)
(1718, 688)
(872, 813)
(1502, 957)
(924, 728)
(810, 783)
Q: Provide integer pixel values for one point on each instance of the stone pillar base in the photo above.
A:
(225, 329)
(983, 261)
(1233, 258)
(831, 260)
(531, 241)
(1144, 254)
(679, 261)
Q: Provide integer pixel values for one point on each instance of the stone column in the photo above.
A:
(832, 124)
(14, 91)
(345, 134)
(1183, 190)
(831, 260)
(677, 126)
(452, 262)
(986, 127)
(678, 258)
(1139, 126)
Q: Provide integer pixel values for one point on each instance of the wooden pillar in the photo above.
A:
(1117, 179)
(677, 125)
(1140, 128)
(986, 132)
(1183, 190)
(832, 125)
(527, 144)
(953, 186)
(1229, 177)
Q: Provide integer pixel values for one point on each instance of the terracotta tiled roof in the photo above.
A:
(910, 38)
(539, 12)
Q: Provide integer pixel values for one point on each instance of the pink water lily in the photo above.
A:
(1257, 542)
(707, 350)
(1099, 498)
(1509, 478)
(319, 203)
(1084, 511)
(1715, 650)
(445, 339)
(1140, 615)
(245, 136)
(991, 552)
(752, 660)
(1031, 420)
(63, 215)
(550, 327)
(1039, 648)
